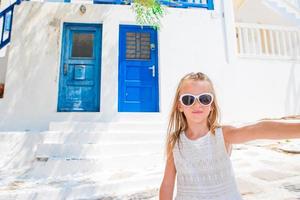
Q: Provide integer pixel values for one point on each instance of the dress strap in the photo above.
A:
(220, 139)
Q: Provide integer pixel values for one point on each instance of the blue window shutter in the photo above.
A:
(210, 4)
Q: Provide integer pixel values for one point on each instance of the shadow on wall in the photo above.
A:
(292, 105)
(4, 52)
(3, 64)
(21, 78)
(19, 152)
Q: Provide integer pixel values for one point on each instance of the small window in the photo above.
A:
(138, 46)
(83, 44)
(7, 21)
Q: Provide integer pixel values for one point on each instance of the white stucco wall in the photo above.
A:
(256, 11)
(189, 40)
(3, 4)
(3, 63)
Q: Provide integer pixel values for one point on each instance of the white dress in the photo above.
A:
(204, 170)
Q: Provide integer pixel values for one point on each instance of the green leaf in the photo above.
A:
(148, 12)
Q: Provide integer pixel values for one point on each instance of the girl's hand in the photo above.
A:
(261, 130)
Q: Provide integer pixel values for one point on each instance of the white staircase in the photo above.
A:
(94, 160)
(290, 9)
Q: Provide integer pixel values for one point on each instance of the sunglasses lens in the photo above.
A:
(205, 99)
(188, 100)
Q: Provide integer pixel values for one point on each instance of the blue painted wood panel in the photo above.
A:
(6, 17)
(79, 82)
(138, 69)
(208, 4)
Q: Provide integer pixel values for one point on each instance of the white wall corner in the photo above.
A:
(3, 63)
(229, 30)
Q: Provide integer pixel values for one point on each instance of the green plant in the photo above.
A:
(148, 12)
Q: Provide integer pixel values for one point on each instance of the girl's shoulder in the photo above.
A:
(227, 128)
(220, 129)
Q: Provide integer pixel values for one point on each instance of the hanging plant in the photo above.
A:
(148, 12)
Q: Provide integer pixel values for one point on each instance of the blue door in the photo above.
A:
(80, 68)
(138, 69)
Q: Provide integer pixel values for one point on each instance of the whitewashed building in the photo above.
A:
(248, 48)
(85, 85)
(247, 55)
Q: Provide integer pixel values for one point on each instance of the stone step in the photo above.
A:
(53, 168)
(291, 147)
(84, 190)
(94, 151)
(18, 148)
(117, 187)
(14, 136)
(94, 137)
(5, 148)
(105, 126)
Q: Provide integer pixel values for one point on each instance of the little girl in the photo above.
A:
(198, 148)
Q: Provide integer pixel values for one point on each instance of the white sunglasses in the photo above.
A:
(204, 99)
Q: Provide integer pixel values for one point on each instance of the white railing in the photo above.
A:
(268, 41)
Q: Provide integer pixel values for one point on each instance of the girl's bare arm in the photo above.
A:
(167, 185)
(261, 130)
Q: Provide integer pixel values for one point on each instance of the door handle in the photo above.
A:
(153, 70)
(65, 69)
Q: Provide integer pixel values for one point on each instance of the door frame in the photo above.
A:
(61, 62)
(120, 84)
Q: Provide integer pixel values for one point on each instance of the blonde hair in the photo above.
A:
(177, 120)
